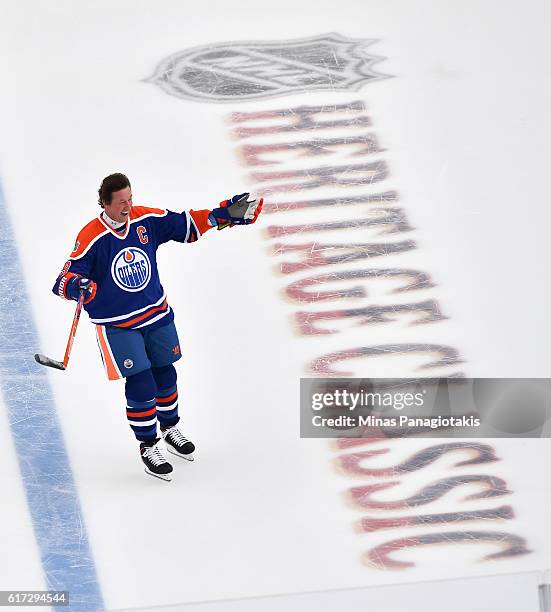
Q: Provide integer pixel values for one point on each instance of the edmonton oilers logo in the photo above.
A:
(131, 269)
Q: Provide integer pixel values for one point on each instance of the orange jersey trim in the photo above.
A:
(145, 315)
(87, 236)
(201, 220)
(96, 228)
(110, 365)
(137, 212)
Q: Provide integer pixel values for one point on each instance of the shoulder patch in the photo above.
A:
(86, 237)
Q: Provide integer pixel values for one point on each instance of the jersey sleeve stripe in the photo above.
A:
(189, 223)
(201, 220)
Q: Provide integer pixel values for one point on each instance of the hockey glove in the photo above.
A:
(239, 210)
(77, 284)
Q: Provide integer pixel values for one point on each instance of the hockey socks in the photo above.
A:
(167, 395)
(141, 408)
(152, 396)
(167, 413)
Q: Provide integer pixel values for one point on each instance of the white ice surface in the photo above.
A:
(20, 566)
(505, 593)
(466, 123)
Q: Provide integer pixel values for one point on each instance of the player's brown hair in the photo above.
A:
(110, 184)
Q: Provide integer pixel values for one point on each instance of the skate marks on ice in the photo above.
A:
(382, 493)
(250, 70)
(342, 236)
(52, 496)
(507, 593)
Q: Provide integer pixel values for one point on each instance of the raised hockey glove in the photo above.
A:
(77, 284)
(239, 210)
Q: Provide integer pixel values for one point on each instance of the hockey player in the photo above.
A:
(114, 263)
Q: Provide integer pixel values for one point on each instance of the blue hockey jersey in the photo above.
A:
(124, 265)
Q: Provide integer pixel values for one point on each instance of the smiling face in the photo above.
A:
(120, 206)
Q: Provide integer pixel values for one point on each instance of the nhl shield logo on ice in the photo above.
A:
(131, 269)
(239, 71)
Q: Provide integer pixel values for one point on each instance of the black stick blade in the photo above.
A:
(51, 363)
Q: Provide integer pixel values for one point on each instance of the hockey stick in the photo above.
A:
(62, 365)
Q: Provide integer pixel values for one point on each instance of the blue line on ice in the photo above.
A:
(43, 461)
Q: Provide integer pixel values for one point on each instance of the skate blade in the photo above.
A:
(188, 457)
(165, 477)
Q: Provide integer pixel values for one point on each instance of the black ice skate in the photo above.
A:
(177, 444)
(155, 463)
